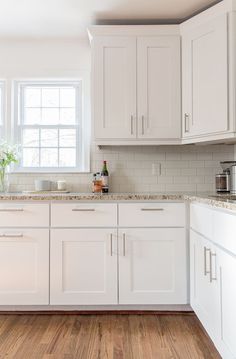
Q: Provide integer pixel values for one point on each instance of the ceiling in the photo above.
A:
(69, 18)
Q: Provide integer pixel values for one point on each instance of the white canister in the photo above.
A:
(42, 185)
(61, 185)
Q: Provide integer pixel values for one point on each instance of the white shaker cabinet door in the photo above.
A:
(24, 266)
(159, 92)
(227, 280)
(204, 283)
(83, 266)
(205, 78)
(114, 92)
(152, 266)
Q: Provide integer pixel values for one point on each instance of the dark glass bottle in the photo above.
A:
(105, 176)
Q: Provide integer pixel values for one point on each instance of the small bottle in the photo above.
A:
(105, 176)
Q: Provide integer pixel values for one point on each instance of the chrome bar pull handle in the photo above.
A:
(205, 261)
(11, 209)
(186, 122)
(142, 125)
(124, 244)
(11, 235)
(83, 209)
(211, 275)
(111, 241)
(152, 209)
(132, 124)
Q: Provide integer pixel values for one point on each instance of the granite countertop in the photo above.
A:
(216, 200)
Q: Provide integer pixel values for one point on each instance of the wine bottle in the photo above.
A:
(105, 176)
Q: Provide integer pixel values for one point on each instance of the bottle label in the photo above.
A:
(105, 181)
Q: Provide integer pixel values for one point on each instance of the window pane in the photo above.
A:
(30, 138)
(67, 157)
(50, 97)
(67, 97)
(49, 157)
(0, 106)
(49, 138)
(67, 116)
(67, 138)
(50, 116)
(32, 116)
(32, 97)
(30, 157)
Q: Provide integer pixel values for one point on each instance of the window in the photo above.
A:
(2, 107)
(48, 126)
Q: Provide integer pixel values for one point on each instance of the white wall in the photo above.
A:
(183, 168)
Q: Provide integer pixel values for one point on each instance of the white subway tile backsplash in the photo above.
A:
(183, 168)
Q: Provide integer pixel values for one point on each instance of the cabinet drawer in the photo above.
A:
(224, 229)
(201, 220)
(152, 214)
(83, 215)
(24, 215)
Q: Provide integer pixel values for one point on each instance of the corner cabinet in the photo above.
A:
(212, 274)
(136, 84)
(208, 75)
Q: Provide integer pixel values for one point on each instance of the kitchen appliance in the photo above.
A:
(233, 179)
(224, 181)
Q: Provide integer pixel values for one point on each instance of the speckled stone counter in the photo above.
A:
(214, 200)
(91, 197)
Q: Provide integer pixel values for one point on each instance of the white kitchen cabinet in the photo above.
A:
(136, 84)
(205, 75)
(204, 280)
(114, 87)
(152, 214)
(158, 87)
(152, 266)
(84, 214)
(20, 214)
(227, 275)
(213, 273)
(83, 266)
(24, 266)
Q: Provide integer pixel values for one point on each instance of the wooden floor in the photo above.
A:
(103, 337)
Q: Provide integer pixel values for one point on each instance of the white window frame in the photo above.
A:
(82, 126)
(3, 111)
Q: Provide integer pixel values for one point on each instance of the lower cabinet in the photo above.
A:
(24, 266)
(83, 266)
(227, 279)
(152, 266)
(213, 291)
(205, 300)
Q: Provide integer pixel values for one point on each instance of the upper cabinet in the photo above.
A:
(205, 78)
(138, 81)
(136, 84)
(158, 90)
(114, 81)
(208, 79)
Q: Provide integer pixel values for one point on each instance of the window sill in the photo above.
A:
(16, 172)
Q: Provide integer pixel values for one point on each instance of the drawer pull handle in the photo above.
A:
(16, 235)
(205, 261)
(83, 209)
(11, 209)
(111, 244)
(152, 209)
(211, 275)
(124, 242)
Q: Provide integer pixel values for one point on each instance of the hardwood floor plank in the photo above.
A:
(114, 336)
